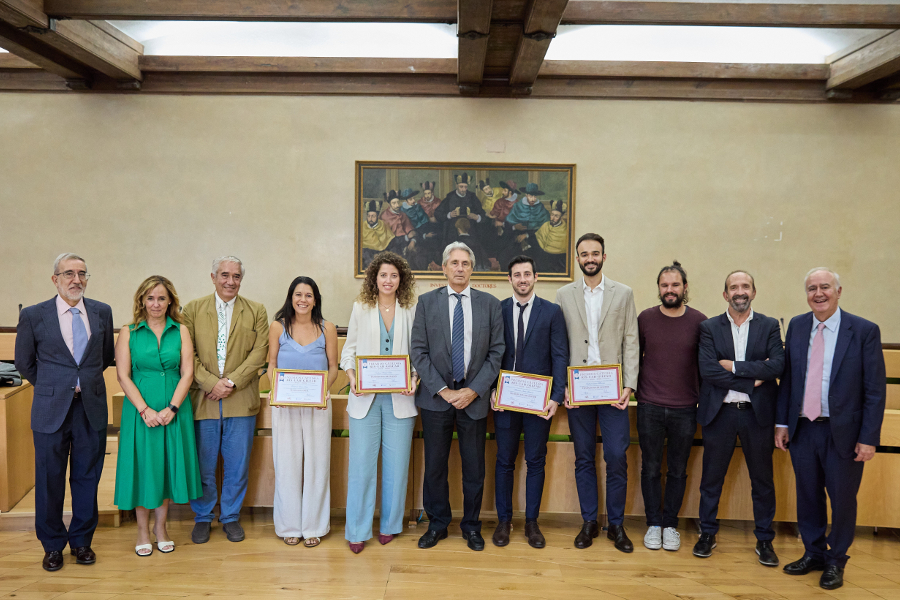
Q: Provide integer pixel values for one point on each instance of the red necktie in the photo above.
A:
(812, 397)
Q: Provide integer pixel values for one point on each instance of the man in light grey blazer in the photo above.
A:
(603, 329)
(456, 347)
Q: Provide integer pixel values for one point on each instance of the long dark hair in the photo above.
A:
(285, 314)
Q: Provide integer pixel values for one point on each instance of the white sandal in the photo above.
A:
(171, 546)
(137, 550)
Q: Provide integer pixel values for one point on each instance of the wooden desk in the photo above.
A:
(16, 445)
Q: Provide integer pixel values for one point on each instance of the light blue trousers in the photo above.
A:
(379, 428)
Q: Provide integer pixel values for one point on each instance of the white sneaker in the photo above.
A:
(671, 539)
(653, 537)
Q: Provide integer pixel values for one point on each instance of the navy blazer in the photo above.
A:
(717, 343)
(857, 390)
(546, 343)
(46, 362)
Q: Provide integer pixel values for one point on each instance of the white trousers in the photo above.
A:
(301, 445)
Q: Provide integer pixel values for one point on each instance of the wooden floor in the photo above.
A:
(264, 567)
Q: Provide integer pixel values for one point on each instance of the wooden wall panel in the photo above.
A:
(16, 445)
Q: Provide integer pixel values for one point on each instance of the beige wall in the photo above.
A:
(142, 185)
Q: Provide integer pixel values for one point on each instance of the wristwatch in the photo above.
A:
(173, 408)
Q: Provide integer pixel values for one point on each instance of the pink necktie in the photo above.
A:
(812, 397)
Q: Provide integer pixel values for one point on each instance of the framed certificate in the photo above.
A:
(598, 384)
(523, 392)
(292, 387)
(382, 374)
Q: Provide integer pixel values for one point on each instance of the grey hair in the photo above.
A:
(66, 256)
(457, 246)
(221, 259)
(837, 278)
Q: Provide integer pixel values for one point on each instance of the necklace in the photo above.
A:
(387, 308)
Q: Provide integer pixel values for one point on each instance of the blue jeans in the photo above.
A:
(233, 437)
(378, 429)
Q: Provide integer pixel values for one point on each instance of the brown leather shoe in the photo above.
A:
(501, 534)
(53, 560)
(84, 555)
(533, 535)
(586, 536)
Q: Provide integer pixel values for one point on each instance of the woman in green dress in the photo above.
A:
(157, 459)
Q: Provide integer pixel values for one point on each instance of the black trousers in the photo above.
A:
(758, 444)
(437, 427)
(83, 448)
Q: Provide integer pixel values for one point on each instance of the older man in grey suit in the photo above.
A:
(603, 329)
(456, 347)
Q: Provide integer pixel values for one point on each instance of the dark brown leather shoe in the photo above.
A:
(533, 535)
(53, 561)
(501, 534)
(586, 536)
(617, 534)
(84, 555)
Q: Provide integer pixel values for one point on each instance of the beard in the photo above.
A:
(669, 302)
(740, 303)
(594, 268)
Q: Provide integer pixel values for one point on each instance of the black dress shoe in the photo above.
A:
(432, 537)
(617, 534)
(766, 554)
(200, 534)
(586, 536)
(832, 578)
(53, 560)
(84, 555)
(804, 566)
(501, 534)
(704, 546)
(533, 535)
(474, 540)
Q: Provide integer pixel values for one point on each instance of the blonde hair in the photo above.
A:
(140, 313)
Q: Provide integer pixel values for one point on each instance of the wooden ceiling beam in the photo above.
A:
(23, 13)
(11, 61)
(878, 60)
(281, 64)
(473, 30)
(541, 21)
(36, 51)
(605, 12)
(681, 70)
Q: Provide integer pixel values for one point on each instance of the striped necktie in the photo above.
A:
(458, 341)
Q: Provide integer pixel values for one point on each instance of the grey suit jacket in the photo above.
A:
(430, 350)
(618, 327)
(43, 358)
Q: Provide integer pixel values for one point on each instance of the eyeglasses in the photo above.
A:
(69, 275)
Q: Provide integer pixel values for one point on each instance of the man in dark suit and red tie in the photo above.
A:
(536, 343)
(830, 407)
(63, 346)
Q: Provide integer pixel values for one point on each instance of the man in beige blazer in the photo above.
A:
(230, 335)
(603, 329)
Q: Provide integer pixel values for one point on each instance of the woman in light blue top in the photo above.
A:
(380, 324)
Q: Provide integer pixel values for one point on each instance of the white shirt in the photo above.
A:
(467, 319)
(229, 310)
(526, 312)
(739, 336)
(593, 305)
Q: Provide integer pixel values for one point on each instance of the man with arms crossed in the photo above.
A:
(231, 340)
(63, 346)
(456, 346)
(602, 325)
(668, 389)
(830, 407)
(536, 343)
(741, 357)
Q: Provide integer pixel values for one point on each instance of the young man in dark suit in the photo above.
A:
(63, 346)
(830, 406)
(740, 358)
(536, 343)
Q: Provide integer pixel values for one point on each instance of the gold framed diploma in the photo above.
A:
(293, 387)
(523, 392)
(597, 384)
(382, 374)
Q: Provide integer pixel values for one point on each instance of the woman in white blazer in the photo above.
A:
(381, 323)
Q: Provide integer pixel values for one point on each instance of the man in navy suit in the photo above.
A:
(63, 346)
(830, 407)
(536, 343)
(740, 358)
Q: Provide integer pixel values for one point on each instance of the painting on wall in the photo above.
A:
(499, 210)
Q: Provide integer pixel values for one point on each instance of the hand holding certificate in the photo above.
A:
(291, 387)
(598, 384)
(382, 374)
(522, 392)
